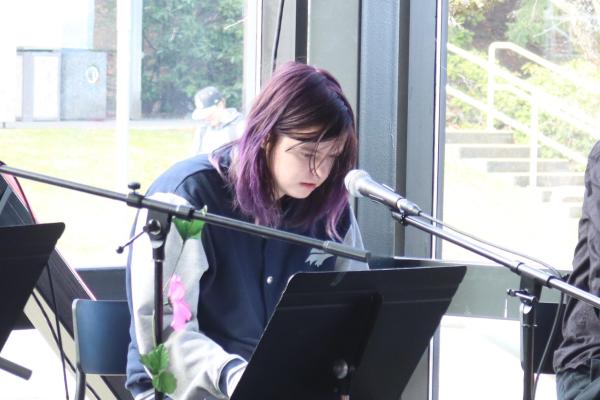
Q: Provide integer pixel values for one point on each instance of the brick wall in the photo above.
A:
(105, 39)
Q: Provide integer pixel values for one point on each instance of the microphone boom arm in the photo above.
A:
(137, 200)
(531, 280)
(517, 267)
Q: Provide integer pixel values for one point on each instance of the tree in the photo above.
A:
(465, 17)
(190, 44)
(527, 24)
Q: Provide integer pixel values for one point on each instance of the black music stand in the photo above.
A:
(24, 252)
(375, 324)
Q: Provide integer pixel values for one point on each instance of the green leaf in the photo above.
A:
(189, 229)
(157, 360)
(164, 382)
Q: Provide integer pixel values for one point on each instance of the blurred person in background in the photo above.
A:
(218, 125)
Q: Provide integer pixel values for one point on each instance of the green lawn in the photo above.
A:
(95, 226)
(88, 155)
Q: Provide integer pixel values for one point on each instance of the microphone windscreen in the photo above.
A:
(352, 180)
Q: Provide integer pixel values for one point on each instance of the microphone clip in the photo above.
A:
(151, 227)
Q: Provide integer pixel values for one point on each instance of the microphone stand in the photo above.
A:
(134, 199)
(532, 280)
(160, 215)
(159, 220)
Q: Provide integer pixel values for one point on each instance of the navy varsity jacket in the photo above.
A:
(232, 281)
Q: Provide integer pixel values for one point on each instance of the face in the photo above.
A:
(294, 170)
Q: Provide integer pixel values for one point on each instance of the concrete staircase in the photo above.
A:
(497, 153)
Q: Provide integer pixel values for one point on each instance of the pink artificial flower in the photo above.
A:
(181, 311)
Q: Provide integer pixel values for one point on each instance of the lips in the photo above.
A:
(308, 185)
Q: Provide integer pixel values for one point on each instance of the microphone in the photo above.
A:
(360, 184)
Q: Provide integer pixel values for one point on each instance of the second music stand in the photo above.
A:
(356, 335)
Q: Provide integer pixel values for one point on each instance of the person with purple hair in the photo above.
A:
(287, 172)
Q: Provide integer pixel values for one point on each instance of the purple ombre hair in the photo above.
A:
(307, 104)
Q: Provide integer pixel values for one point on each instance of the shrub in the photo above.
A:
(190, 44)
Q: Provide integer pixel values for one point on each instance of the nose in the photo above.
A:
(313, 168)
(320, 167)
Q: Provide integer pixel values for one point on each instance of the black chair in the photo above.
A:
(101, 330)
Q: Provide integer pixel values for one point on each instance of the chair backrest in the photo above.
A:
(101, 329)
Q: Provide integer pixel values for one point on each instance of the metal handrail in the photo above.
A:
(557, 69)
(538, 99)
(518, 125)
(550, 102)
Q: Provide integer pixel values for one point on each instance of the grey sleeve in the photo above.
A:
(195, 359)
(352, 238)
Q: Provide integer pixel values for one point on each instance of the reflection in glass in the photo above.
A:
(523, 101)
(57, 116)
(64, 121)
(522, 114)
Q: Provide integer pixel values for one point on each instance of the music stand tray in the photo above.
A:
(376, 322)
(24, 252)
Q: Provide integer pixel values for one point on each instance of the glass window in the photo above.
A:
(64, 122)
(521, 117)
(523, 88)
(60, 99)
